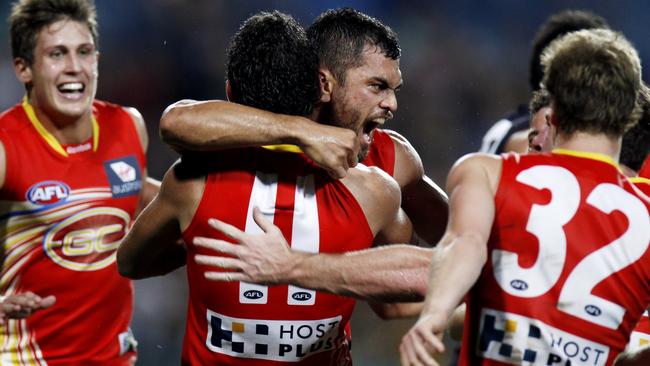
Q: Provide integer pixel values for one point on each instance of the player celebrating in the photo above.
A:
(555, 263)
(72, 170)
(242, 323)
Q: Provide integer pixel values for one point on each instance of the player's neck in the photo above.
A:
(589, 142)
(66, 130)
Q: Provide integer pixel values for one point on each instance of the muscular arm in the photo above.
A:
(389, 273)
(423, 201)
(216, 125)
(152, 246)
(459, 257)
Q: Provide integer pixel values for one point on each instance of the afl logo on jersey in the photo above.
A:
(301, 296)
(520, 285)
(253, 294)
(48, 192)
(87, 240)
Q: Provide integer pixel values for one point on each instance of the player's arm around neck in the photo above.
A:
(217, 125)
(425, 203)
(152, 246)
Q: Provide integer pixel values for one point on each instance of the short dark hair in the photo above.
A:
(636, 141)
(556, 26)
(340, 36)
(539, 100)
(272, 66)
(594, 79)
(28, 17)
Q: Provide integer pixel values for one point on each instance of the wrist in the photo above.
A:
(296, 130)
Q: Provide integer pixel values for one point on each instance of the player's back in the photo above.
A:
(245, 324)
(568, 268)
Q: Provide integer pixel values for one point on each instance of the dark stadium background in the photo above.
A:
(464, 65)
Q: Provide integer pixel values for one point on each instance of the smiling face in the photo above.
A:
(366, 98)
(63, 75)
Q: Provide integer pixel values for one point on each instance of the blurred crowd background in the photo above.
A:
(464, 65)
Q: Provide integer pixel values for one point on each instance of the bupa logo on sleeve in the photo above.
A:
(124, 176)
(48, 192)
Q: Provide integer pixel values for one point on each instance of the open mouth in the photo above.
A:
(370, 126)
(71, 89)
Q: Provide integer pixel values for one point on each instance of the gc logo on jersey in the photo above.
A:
(47, 192)
(124, 176)
(87, 240)
(516, 339)
(278, 340)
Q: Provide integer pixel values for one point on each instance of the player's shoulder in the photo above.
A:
(375, 183)
(408, 164)
(474, 167)
(499, 133)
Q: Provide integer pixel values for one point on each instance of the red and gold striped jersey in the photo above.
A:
(65, 210)
(568, 264)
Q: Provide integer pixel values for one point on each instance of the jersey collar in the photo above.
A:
(284, 148)
(588, 155)
(48, 137)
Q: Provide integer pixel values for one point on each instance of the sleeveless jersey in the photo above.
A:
(382, 152)
(244, 324)
(568, 270)
(64, 213)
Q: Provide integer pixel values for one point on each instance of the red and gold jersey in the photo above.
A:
(64, 212)
(568, 270)
(245, 324)
(382, 152)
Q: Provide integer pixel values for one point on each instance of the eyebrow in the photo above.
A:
(385, 82)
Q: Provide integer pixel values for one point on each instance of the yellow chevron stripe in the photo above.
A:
(48, 137)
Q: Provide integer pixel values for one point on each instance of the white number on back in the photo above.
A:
(546, 223)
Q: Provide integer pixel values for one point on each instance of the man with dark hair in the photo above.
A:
(546, 259)
(72, 175)
(358, 77)
(242, 323)
(510, 133)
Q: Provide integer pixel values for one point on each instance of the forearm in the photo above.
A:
(215, 125)
(455, 267)
(389, 273)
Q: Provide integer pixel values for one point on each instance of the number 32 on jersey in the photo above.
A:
(546, 222)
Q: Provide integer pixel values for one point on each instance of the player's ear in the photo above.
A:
(326, 81)
(228, 90)
(23, 70)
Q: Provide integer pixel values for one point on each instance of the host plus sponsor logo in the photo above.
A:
(278, 340)
(516, 339)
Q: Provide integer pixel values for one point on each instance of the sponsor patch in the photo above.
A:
(47, 192)
(124, 176)
(277, 340)
(519, 340)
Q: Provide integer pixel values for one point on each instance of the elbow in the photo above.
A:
(169, 124)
